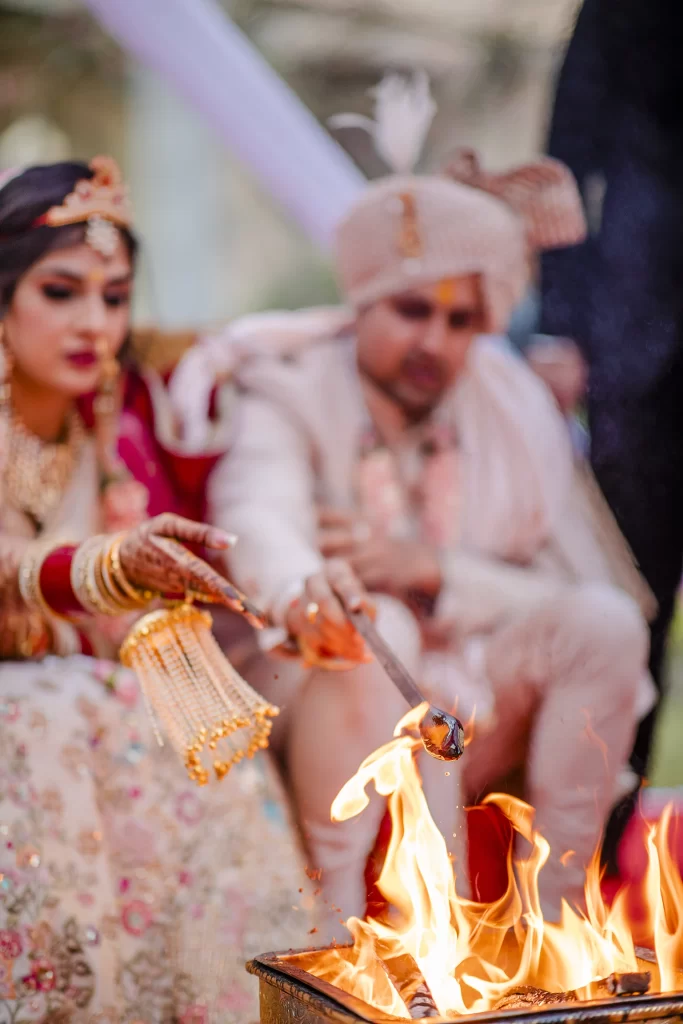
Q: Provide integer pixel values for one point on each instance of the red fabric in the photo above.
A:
(184, 476)
(176, 483)
(632, 856)
(86, 647)
(490, 839)
(55, 582)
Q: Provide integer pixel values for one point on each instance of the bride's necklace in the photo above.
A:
(37, 473)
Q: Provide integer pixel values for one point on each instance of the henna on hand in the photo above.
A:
(154, 557)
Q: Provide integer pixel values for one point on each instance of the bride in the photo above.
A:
(126, 892)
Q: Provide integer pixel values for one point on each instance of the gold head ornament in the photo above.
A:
(194, 696)
(101, 202)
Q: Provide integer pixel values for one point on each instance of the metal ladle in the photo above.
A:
(442, 734)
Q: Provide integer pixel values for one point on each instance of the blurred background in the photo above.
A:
(215, 245)
(66, 89)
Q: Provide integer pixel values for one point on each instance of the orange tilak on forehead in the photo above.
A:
(446, 291)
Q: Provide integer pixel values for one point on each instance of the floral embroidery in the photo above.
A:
(189, 808)
(89, 843)
(42, 977)
(39, 937)
(28, 857)
(7, 990)
(11, 945)
(196, 1014)
(51, 800)
(136, 917)
(80, 931)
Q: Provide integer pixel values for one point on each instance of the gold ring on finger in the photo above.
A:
(312, 609)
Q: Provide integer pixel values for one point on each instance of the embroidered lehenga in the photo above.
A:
(119, 876)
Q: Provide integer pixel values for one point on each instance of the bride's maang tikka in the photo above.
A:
(100, 202)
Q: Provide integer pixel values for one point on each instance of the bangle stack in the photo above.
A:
(99, 582)
(30, 567)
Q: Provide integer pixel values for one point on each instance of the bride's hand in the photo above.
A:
(154, 557)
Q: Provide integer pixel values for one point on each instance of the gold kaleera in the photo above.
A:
(194, 696)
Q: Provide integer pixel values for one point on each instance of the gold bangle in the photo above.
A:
(137, 594)
(98, 580)
(30, 567)
(95, 588)
(80, 570)
(112, 589)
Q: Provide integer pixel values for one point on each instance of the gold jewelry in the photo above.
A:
(138, 597)
(79, 571)
(109, 372)
(96, 590)
(312, 610)
(7, 362)
(106, 408)
(211, 716)
(114, 591)
(37, 473)
(409, 240)
(101, 202)
(98, 580)
(30, 567)
(110, 587)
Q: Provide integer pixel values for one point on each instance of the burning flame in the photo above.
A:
(471, 954)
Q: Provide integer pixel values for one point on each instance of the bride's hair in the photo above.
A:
(23, 200)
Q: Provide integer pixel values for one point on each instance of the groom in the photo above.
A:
(413, 465)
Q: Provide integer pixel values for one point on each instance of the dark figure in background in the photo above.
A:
(618, 124)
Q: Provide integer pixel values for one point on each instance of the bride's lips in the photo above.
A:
(83, 360)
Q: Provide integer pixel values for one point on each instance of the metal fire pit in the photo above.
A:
(290, 994)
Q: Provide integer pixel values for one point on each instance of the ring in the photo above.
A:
(312, 609)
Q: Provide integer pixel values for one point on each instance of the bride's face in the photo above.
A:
(64, 309)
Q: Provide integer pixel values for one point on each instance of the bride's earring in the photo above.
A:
(105, 402)
(106, 410)
(6, 364)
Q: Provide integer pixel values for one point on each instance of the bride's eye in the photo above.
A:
(57, 292)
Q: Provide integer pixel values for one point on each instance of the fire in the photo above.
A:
(471, 954)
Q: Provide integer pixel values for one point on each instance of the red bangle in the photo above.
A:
(55, 582)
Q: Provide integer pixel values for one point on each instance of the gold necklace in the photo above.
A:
(37, 473)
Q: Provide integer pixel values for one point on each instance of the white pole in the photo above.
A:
(194, 46)
(173, 176)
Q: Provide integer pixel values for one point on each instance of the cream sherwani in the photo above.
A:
(539, 605)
